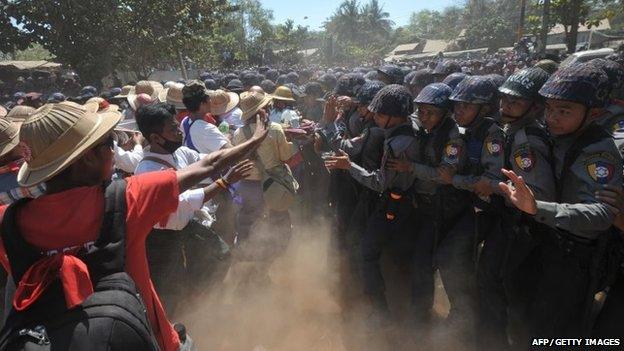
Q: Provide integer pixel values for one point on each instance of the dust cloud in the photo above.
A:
(304, 300)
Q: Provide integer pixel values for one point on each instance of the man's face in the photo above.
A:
(280, 105)
(172, 132)
(96, 166)
(564, 117)
(364, 113)
(430, 116)
(514, 107)
(465, 113)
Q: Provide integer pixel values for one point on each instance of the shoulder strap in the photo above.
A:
(592, 134)
(158, 160)
(21, 255)
(187, 122)
(483, 129)
(110, 250)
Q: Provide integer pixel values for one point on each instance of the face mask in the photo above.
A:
(171, 146)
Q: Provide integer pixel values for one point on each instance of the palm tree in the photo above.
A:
(345, 21)
(376, 19)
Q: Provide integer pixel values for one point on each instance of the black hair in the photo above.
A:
(194, 99)
(151, 119)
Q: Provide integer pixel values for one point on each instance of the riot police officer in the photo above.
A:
(585, 159)
(472, 103)
(527, 152)
(393, 220)
(446, 217)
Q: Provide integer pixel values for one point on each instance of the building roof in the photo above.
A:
(602, 25)
(22, 65)
(405, 48)
(435, 45)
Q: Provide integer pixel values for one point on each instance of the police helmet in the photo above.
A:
(367, 92)
(582, 83)
(392, 100)
(479, 90)
(525, 83)
(436, 94)
(454, 78)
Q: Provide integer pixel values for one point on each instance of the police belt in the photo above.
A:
(572, 244)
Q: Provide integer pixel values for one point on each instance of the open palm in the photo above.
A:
(519, 193)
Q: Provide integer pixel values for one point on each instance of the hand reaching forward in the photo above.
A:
(519, 193)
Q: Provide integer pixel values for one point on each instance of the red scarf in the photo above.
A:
(72, 272)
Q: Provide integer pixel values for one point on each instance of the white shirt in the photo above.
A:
(189, 201)
(285, 116)
(206, 137)
(127, 161)
(234, 117)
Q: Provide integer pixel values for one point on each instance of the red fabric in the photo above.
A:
(73, 273)
(208, 117)
(73, 218)
(103, 105)
(295, 160)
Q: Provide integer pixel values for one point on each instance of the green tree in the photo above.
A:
(345, 22)
(375, 20)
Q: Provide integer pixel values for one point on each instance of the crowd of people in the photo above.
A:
(502, 175)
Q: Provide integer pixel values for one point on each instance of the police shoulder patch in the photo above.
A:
(451, 152)
(524, 158)
(618, 127)
(494, 146)
(600, 167)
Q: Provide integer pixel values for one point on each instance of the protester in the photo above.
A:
(271, 185)
(74, 172)
(200, 135)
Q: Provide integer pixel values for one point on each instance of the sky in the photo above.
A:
(318, 11)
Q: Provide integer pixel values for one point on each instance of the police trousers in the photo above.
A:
(398, 235)
(561, 292)
(445, 241)
(508, 269)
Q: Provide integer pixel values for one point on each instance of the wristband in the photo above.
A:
(221, 183)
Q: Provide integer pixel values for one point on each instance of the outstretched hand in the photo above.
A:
(519, 194)
(262, 127)
(239, 171)
(340, 161)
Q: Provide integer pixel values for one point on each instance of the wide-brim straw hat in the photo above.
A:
(148, 87)
(19, 113)
(283, 93)
(173, 96)
(222, 102)
(98, 104)
(9, 136)
(58, 135)
(3, 112)
(252, 102)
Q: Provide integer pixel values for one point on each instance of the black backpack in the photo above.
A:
(112, 318)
